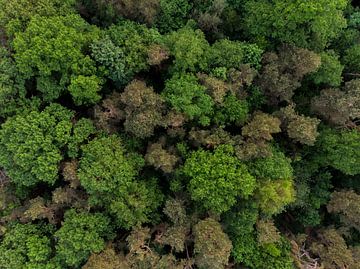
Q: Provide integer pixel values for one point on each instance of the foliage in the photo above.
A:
(108, 173)
(187, 96)
(340, 149)
(51, 49)
(312, 24)
(31, 145)
(218, 178)
(81, 234)
(26, 246)
(212, 246)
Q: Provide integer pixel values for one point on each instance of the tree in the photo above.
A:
(189, 49)
(27, 246)
(299, 127)
(350, 58)
(160, 158)
(173, 14)
(143, 109)
(346, 204)
(310, 25)
(186, 95)
(15, 15)
(261, 126)
(81, 234)
(107, 172)
(338, 107)
(212, 246)
(84, 89)
(123, 50)
(274, 195)
(282, 73)
(332, 250)
(276, 166)
(51, 50)
(217, 178)
(142, 11)
(330, 70)
(340, 149)
(232, 54)
(32, 145)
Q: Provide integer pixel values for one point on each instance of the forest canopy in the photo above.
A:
(179, 134)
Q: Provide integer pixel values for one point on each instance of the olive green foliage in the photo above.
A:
(14, 15)
(189, 49)
(123, 51)
(311, 24)
(333, 250)
(274, 195)
(212, 245)
(81, 234)
(31, 145)
(187, 96)
(173, 14)
(276, 166)
(341, 150)
(51, 49)
(84, 90)
(231, 54)
(330, 70)
(107, 172)
(217, 178)
(247, 251)
(26, 246)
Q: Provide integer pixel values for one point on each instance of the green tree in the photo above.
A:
(189, 49)
(52, 50)
(32, 145)
(173, 14)
(107, 172)
(123, 50)
(217, 178)
(81, 234)
(84, 89)
(15, 15)
(330, 70)
(311, 24)
(186, 95)
(340, 149)
(27, 246)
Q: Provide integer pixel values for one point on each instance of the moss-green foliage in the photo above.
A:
(107, 172)
(123, 50)
(231, 111)
(330, 70)
(81, 234)
(217, 178)
(232, 54)
(14, 15)
(27, 246)
(186, 95)
(310, 24)
(341, 150)
(247, 251)
(31, 144)
(189, 49)
(173, 14)
(51, 49)
(276, 166)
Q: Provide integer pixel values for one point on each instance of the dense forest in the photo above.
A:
(179, 134)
